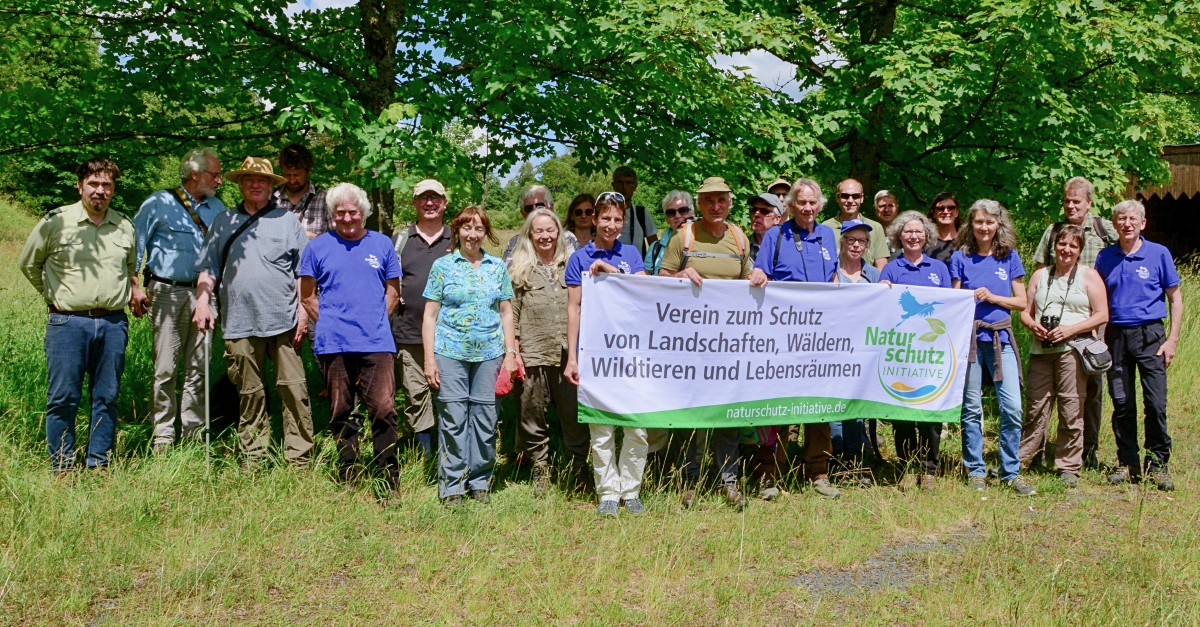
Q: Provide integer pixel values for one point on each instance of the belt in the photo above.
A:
(94, 313)
(153, 277)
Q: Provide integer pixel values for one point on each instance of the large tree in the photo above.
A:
(1004, 98)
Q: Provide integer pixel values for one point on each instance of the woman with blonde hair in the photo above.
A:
(539, 308)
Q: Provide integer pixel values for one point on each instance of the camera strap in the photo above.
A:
(1067, 293)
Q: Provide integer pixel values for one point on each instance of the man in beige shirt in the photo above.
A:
(81, 259)
(850, 199)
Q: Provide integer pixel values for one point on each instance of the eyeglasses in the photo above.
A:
(854, 240)
(766, 211)
(215, 175)
(922, 232)
(584, 212)
(430, 197)
(945, 208)
(682, 211)
(610, 196)
(536, 205)
(844, 196)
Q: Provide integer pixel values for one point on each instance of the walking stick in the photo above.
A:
(207, 410)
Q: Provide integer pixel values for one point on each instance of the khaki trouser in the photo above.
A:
(176, 341)
(410, 372)
(543, 385)
(1056, 376)
(246, 359)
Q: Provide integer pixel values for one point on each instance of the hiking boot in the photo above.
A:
(928, 483)
(160, 448)
(608, 508)
(826, 489)
(1069, 479)
(864, 482)
(635, 507)
(977, 482)
(908, 482)
(1019, 486)
(483, 496)
(1162, 479)
(1124, 474)
(733, 496)
(454, 501)
(767, 490)
(1090, 461)
(541, 480)
(689, 496)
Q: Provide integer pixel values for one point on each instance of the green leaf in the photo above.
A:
(936, 325)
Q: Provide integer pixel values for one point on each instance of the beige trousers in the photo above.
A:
(410, 373)
(176, 342)
(246, 359)
(1052, 377)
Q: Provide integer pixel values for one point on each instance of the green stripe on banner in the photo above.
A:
(790, 410)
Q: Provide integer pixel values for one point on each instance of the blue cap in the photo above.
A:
(854, 224)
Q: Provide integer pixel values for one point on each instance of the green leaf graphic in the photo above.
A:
(938, 326)
(928, 337)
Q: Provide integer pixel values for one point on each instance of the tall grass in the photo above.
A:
(172, 540)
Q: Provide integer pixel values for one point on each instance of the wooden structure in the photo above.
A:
(1171, 209)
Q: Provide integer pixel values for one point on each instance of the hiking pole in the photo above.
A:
(207, 410)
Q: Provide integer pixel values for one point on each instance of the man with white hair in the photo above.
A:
(1141, 279)
(171, 226)
(533, 197)
(1097, 233)
(349, 286)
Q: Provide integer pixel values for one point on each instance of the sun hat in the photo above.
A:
(714, 184)
(778, 182)
(256, 166)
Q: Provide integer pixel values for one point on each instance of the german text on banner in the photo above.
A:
(659, 352)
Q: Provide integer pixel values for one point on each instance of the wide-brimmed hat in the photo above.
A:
(256, 166)
(714, 184)
(778, 182)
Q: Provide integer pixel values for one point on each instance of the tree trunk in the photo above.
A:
(876, 22)
(381, 20)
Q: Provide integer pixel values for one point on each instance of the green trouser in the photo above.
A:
(246, 359)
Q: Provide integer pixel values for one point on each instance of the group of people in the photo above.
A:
(430, 311)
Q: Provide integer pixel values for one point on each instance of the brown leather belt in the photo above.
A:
(94, 313)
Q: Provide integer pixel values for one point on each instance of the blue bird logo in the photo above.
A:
(912, 307)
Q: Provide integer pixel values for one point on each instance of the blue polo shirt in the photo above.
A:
(804, 256)
(976, 271)
(929, 272)
(624, 256)
(1137, 283)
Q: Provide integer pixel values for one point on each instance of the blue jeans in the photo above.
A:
(848, 441)
(75, 346)
(467, 416)
(1009, 393)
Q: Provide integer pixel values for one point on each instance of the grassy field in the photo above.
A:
(171, 541)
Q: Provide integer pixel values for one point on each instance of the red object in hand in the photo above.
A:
(504, 381)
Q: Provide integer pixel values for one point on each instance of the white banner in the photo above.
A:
(662, 352)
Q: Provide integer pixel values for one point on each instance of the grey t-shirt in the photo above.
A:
(258, 291)
(633, 233)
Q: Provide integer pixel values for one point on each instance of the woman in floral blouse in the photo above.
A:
(467, 331)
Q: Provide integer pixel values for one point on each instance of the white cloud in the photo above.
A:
(317, 5)
(769, 70)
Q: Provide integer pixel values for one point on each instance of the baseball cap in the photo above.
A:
(854, 224)
(770, 199)
(429, 185)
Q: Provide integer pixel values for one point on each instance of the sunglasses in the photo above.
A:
(584, 212)
(536, 205)
(610, 196)
(682, 211)
(946, 208)
(766, 211)
(844, 196)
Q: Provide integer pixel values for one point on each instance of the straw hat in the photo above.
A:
(713, 184)
(256, 166)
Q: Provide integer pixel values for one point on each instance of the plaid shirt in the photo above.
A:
(1093, 243)
(313, 218)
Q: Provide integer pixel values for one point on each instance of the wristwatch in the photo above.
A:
(512, 350)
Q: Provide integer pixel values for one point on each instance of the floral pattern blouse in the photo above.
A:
(468, 325)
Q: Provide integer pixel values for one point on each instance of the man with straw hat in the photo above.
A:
(251, 259)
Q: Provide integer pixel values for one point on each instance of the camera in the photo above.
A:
(1050, 323)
